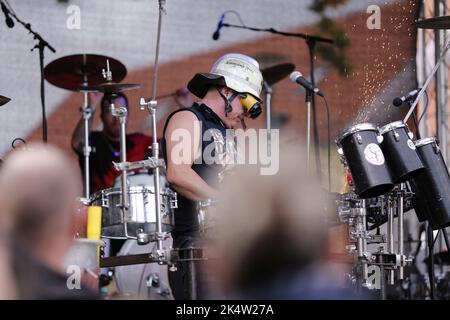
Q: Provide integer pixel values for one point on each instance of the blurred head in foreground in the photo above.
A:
(271, 232)
(39, 186)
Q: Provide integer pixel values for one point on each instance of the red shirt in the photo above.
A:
(104, 152)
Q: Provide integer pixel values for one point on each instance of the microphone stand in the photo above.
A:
(268, 91)
(311, 42)
(41, 46)
(308, 98)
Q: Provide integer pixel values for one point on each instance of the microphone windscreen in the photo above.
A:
(294, 75)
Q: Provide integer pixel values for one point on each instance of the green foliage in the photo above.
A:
(335, 54)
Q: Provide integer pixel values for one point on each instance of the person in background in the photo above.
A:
(105, 144)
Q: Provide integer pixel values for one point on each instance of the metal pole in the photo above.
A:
(125, 205)
(87, 113)
(362, 242)
(390, 237)
(308, 128)
(440, 85)
(268, 90)
(400, 231)
(151, 106)
(427, 82)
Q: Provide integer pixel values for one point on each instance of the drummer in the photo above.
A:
(105, 144)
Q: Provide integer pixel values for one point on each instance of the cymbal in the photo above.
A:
(4, 100)
(277, 72)
(113, 87)
(433, 23)
(77, 71)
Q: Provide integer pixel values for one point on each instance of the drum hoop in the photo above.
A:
(392, 126)
(131, 190)
(425, 141)
(356, 128)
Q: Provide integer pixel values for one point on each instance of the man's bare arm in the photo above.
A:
(179, 173)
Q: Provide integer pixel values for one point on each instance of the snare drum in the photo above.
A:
(400, 152)
(141, 217)
(365, 159)
(432, 186)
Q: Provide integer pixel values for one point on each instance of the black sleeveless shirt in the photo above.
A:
(211, 125)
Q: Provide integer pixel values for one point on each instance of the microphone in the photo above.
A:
(398, 101)
(8, 20)
(297, 77)
(216, 33)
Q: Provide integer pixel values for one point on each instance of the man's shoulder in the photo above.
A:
(185, 114)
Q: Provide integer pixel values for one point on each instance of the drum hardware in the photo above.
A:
(149, 163)
(174, 255)
(354, 211)
(151, 107)
(76, 73)
(205, 216)
(113, 87)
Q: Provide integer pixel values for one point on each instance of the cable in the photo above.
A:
(237, 14)
(329, 142)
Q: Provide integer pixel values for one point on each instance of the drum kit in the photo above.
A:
(389, 174)
(396, 173)
(139, 207)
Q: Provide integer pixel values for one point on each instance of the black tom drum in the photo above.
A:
(365, 159)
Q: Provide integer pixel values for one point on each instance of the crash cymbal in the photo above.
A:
(113, 87)
(277, 72)
(4, 100)
(433, 23)
(75, 72)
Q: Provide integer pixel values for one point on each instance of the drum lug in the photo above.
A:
(380, 139)
(436, 148)
(173, 203)
(359, 139)
(396, 136)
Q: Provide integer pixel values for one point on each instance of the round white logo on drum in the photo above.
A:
(373, 154)
(411, 144)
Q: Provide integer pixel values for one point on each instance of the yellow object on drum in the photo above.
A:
(94, 222)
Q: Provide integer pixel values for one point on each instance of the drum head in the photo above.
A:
(132, 281)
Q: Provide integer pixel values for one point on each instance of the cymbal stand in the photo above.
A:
(121, 113)
(151, 107)
(86, 111)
